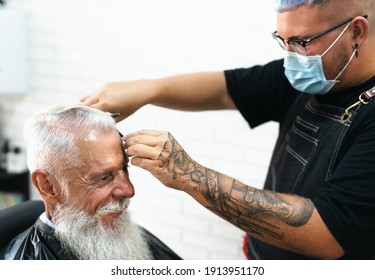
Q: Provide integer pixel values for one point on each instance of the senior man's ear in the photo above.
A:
(47, 189)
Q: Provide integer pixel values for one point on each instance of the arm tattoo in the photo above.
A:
(256, 211)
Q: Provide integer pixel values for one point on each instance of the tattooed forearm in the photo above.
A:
(294, 212)
(259, 212)
(256, 211)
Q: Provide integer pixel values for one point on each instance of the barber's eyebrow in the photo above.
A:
(295, 37)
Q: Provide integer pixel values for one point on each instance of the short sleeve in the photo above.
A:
(261, 93)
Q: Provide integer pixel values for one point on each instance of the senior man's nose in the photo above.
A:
(124, 187)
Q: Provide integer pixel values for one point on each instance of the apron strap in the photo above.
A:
(363, 99)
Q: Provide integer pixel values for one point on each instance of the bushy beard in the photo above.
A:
(89, 239)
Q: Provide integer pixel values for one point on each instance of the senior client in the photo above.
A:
(79, 166)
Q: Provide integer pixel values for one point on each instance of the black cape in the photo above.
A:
(39, 243)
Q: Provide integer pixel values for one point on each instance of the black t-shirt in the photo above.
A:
(346, 202)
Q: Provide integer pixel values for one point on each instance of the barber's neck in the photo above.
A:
(361, 69)
(364, 64)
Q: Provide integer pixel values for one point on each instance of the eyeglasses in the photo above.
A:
(299, 45)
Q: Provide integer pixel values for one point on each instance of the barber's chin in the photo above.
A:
(109, 219)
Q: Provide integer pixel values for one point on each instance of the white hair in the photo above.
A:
(52, 135)
(88, 239)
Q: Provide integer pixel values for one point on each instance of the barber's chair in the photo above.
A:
(16, 219)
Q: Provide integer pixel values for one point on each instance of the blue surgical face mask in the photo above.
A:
(306, 74)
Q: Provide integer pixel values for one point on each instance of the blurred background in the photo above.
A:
(54, 51)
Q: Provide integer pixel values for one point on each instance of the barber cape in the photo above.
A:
(39, 243)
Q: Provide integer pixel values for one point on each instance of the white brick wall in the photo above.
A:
(75, 46)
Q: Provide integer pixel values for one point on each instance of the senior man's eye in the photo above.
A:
(105, 178)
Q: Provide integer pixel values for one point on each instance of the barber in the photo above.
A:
(318, 199)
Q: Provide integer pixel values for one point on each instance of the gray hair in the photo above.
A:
(52, 136)
(284, 5)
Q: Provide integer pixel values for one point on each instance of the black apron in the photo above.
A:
(303, 159)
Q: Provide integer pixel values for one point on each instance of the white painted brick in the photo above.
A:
(191, 208)
(81, 25)
(112, 73)
(187, 223)
(78, 56)
(53, 39)
(163, 231)
(230, 119)
(248, 174)
(211, 243)
(48, 97)
(44, 24)
(138, 211)
(217, 151)
(55, 69)
(42, 53)
(41, 8)
(44, 82)
(221, 228)
(256, 138)
(257, 157)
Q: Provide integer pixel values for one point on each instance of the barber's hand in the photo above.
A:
(121, 97)
(160, 154)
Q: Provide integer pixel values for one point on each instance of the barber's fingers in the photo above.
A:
(151, 138)
(151, 141)
(99, 100)
(89, 100)
(84, 98)
(146, 132)
(147, 164)
(143, 151)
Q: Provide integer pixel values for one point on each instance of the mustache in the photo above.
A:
(114, 206)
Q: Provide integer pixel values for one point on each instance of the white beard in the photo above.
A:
(86, 236)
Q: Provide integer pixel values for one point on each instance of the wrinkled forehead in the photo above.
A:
(96, 144)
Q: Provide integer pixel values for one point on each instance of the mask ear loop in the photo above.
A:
(346, 65)
(338, 38)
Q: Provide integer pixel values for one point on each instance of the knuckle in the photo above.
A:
(137, 139)
(136, 149)
(131, 151)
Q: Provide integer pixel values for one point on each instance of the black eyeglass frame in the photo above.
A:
(294, 43)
